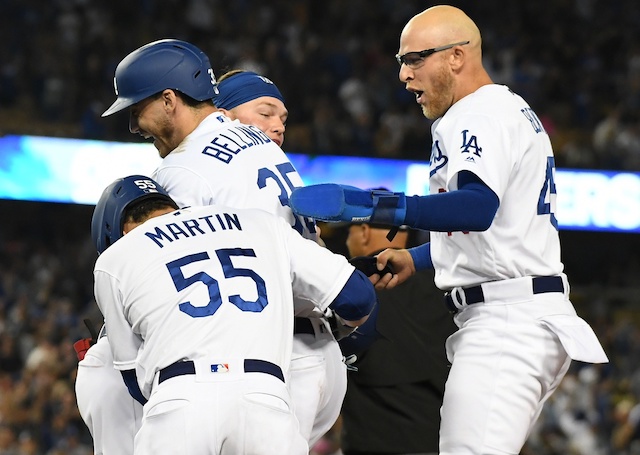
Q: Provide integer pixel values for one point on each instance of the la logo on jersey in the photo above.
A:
(220, 368)
(470, 145)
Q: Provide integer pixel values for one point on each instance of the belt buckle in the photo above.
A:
(456, 299)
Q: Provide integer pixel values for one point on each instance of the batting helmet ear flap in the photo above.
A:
(164, 64)
(108, 216)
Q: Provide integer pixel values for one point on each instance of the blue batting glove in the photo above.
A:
(335, 202)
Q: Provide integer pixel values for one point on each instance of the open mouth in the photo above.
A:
(418, 94)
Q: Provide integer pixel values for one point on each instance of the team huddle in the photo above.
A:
(223, 310)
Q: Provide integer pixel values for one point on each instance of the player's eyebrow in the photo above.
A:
(272, 105)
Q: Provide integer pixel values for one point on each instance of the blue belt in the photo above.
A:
(472, 295)
(181, 368)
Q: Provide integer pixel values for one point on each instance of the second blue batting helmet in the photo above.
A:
(163, 64)
(108, 216)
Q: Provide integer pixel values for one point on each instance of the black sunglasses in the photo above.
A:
(414, 59)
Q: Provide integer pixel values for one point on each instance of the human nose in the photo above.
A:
(278, 129)
(405, 74)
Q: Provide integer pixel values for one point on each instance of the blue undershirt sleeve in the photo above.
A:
(356, 299)
(131, 381)
(470, 208)
(422, 256)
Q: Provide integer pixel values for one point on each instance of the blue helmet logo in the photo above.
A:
(108, 216)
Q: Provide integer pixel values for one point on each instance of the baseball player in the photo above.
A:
(198, 304)
(106, 407)
(211, 159)
(254, 100)
(494, 241)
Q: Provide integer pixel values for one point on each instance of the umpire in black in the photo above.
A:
(394, 393)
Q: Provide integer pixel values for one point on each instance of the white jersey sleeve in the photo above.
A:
(494, 134)
(109, 298)
(318, 275)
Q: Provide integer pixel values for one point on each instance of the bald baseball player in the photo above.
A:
(208, 158)
(494, 238)
(199, 307)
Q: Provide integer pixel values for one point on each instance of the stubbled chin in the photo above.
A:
(161, 150)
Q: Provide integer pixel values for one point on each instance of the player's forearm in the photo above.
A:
(356, 299)
(470, 208)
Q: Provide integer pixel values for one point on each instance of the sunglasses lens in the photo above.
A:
(412, 58)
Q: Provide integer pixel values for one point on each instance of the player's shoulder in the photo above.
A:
(488, 99)
(255, 216)
(491, 104)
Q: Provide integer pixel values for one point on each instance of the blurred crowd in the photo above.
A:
(46, 291)
(577, 62)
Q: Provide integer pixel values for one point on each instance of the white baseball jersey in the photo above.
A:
(230, 163)
(227, 162)
(494, 134)
(525, 340)
(210, 282)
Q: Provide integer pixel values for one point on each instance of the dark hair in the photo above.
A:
(138, 212)
(192, 102)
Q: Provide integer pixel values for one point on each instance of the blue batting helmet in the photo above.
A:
(108, 216)
(163, 64)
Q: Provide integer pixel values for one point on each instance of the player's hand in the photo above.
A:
(400, 262)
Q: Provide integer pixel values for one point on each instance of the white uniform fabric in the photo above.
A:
(317, 366)
(511, 351)
(229, 163)
(111, 414)
(489, 134)
(213, 284)
(226, 162)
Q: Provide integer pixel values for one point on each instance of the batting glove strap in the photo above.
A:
(389, 208)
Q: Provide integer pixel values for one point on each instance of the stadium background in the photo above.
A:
(576, 61)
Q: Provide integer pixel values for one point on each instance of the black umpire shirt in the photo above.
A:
(393, 400)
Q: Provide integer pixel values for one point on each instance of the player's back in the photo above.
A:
(226, 162)
(211, 281)
(205, 281)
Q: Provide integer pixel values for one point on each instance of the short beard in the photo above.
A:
(442, 91)
(167, 132)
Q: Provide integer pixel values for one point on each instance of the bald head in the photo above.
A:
(454, 68)
(444, 24)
